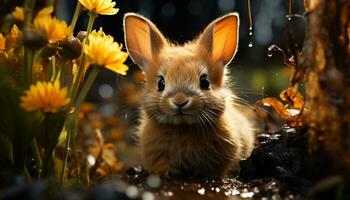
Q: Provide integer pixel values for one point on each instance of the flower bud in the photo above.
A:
(71, 48)
(34, 39)
(81, 35)
(49, 50)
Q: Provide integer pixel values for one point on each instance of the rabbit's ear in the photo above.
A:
(220, 39)
(142, 38)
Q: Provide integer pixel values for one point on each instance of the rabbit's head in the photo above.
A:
(184, 83)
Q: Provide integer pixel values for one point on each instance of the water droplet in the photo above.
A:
(269, 54)
(250, 33)
(154, 181)
(250, 28)
(217, 189)
(247, 194)
(276, 197)
(291, 130)
(289, 18)
(234, 192)
(91, 160)
(256, 190)
(170, 194)
(293, 112)
(201, 191)
(147, 196)
(250, 44)
(105, 91)
(132, 191)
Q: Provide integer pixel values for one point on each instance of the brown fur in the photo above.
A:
(212, 135)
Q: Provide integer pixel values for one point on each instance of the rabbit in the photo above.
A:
(190, 124)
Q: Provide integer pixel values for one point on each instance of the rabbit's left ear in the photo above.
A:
(220, 39)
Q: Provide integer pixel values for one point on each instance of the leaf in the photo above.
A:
(17, 124)
(49, 137)
(295, 98)
(277, 105)
(292, 111)
(5, 145)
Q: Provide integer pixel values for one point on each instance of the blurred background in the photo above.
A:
(113, 101)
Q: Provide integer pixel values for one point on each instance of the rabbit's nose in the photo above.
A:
(180, 100)
(182, 104)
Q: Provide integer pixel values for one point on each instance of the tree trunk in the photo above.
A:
(326, 57)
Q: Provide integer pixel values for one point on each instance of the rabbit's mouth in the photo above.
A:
(182, 113)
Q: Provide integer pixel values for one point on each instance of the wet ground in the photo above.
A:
(272, 172)
(137, 185)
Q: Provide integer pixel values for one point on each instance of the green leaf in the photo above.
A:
(17, 124)
(49, 137)
(5, 146)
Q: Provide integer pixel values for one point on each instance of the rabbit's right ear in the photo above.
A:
(142, 38)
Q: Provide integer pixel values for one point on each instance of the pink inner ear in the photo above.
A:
(225, 39)
(138, 39)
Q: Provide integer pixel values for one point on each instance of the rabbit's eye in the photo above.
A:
(204, 83)
(161, 83)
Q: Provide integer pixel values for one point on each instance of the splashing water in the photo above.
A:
(201, 191)
(250, 25)
(250, 44)
(273, 48)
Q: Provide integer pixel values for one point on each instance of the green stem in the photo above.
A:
(11, 153)
(24, 71)
(63, 69)
(69, 133)
(28, 12)
(81, 69)
(50, 3)
(71, 123)
(75, 16)
(37, 157)
(52, 69)
(89, 81)
(30, 60)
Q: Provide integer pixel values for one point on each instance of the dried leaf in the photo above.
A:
(101, 171)
(291, 111)
(277, 105)
(295, 98)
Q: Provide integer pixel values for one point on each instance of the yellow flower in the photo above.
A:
(103, 51)
(14, 32)
(45, 12)
(12, 36)
(18, 14)
(46, 96)
(102, 7)
(56, 29)
(2, 43)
